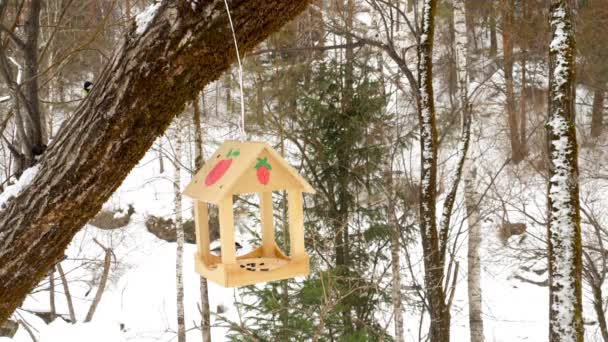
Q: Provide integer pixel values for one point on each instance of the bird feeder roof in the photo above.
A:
(244, 167)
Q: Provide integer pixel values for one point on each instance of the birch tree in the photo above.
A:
(162, 64)
(463, 63)
(564, 231)
(472, 200)
(179, 232)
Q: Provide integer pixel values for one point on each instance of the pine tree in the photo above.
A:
(343, 156)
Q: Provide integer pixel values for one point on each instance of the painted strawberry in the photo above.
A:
(263, 170)
(221, 168)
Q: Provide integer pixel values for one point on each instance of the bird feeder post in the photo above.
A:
(201, 220)
(227, 231)
(296, 224)
(267, 219)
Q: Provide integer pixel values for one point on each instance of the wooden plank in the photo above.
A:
(227, 231)
(267, 219)
(201, 221)
(296, 223)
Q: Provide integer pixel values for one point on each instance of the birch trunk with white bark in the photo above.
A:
(564, 230)
(463, 43)
(472, 200)
(179, 233)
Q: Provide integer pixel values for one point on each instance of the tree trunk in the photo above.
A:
(107, 263)
(112, 129)
(523, 139)
(284, 315)
(396, 269)
(198, 135)
(471, 38)
(198, 163)
(473, 262)
(52, 293)
(493, 35)
(179, 230)
(66, 291)
(452, 73)
(508, 9)
(597, 116)
(463, 48)
(598, 306)
(433, 266)
(564, 230)
(395, 235)
(344, 162)
(35, 126)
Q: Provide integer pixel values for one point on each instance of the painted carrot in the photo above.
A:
(220, 169)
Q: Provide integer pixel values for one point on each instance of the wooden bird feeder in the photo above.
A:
(244, 168)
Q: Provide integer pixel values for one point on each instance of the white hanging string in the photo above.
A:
(238, 58)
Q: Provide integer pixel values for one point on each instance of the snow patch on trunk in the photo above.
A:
(143, 19)
(14, 190)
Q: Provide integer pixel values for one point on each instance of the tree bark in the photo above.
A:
(145, 84)
(597, 114)
(564, 231)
